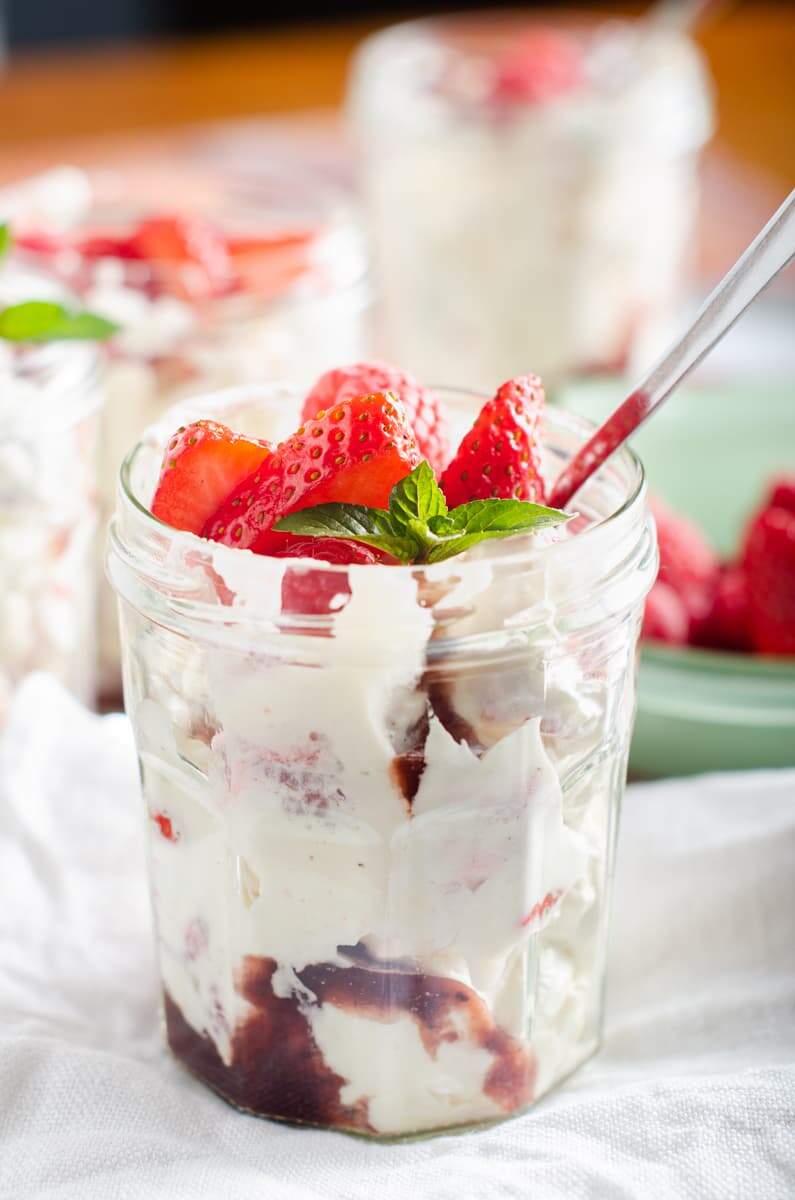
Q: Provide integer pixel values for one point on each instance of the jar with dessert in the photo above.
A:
(50, 406)
(219, 284)
(382, 697)
(531, 189)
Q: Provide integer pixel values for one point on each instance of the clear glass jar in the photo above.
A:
(50, 402)
(508, 233)
(303, 307)
(381, 823)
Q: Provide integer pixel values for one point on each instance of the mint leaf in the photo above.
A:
(5, 239)
(418, 526)
(45, 321)
(418, 497)
(484, 520)
(373, 526)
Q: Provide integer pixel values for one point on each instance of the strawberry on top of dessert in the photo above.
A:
(363, 480)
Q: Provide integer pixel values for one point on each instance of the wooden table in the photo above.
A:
(57, 105)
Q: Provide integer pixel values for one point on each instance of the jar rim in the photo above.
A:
(498, 550)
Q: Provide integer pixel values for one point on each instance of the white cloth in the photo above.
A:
(693, 1095)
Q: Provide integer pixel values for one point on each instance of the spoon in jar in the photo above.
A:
(769, 252)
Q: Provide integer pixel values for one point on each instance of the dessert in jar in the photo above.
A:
(50, 403)
(215, 289)
(531, 190)
(382, 698)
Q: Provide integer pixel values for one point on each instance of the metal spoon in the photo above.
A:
(769, 252)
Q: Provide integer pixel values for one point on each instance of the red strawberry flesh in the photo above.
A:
(424, 410)
(203, 463)
(500, 456)
(353, 454)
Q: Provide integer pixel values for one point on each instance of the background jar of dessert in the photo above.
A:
(212, 283)
(531, 190)
(50, 401)
(382, 801)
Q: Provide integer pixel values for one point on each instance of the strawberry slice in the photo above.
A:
(270, 265)
(424, 410)
(203, 463)
(542, 64)
(500, 456)
(769, 562)
(190, 255)
(355, 453)
(321, 592)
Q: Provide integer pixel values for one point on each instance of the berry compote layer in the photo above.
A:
(381, 775)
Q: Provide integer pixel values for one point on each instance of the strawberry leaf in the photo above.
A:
(46, 321)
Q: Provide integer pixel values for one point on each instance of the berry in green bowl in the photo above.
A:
(716, 689)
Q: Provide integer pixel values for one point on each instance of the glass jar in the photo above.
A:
(382, 801)
(544, 228)
(302, 306)
(50, 403)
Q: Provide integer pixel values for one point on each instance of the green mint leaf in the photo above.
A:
(373, 526)
(5, 239)
(484, 520)
(417, 498)
(45, 321)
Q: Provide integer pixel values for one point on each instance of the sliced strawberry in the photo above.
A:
(688, 563)
(769, 561)
(355, 453)
(189, 254)
(320, 592)
(726, 626)
(500, 456)
(425, 412)
(542, 64)
(665, 618)
(270, 265)
(203, 463)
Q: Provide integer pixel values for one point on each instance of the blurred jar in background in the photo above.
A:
(532, 190)
(211, 285)
(49, 415)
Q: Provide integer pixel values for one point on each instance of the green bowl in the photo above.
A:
(710, 453)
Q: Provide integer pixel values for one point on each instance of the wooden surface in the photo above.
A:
(57, 105)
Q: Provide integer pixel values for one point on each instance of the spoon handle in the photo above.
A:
(769, 252)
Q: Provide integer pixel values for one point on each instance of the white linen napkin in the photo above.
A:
(693, 1095)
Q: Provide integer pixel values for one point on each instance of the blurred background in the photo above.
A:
(608, 216)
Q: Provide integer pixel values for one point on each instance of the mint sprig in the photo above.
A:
(5, 239)
(46, 321)
(418, 527)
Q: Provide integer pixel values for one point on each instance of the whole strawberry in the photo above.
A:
(500, 456)
(354, 453)
(688, 564)
(424, 411)
(665, 618)
(726, 625)
(769, 563)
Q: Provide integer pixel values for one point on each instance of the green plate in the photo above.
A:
(710, 453)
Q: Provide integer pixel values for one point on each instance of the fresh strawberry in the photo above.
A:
(665, 618)
(769, 562)
(203, 463)
(321, 592)
(688, 563)
(782, 493)
(424, 410)
(542, 64)
(726, 625)
(189, 255)
(355, 453)
(500, 456)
